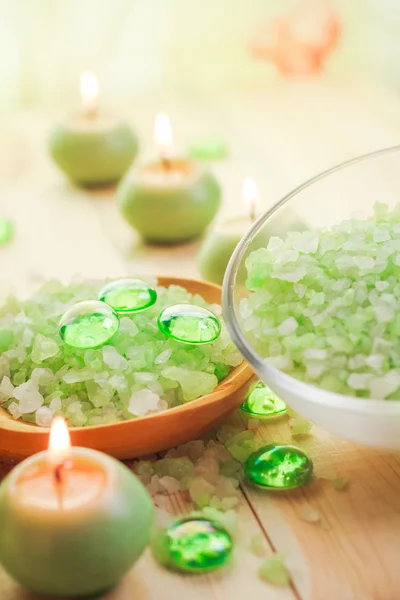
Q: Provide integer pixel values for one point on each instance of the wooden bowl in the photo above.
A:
(143, 435)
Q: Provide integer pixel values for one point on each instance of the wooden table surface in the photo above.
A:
(280, 136)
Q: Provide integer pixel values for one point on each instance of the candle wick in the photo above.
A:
(59, 480)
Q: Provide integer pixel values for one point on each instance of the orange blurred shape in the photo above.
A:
(299, 42)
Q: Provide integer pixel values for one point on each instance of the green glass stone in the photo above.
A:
(6, 231)
(278, 467)
(263, 403)
(128, 295)
(208, 149)
(197, 545)
(88, 324)
(189, 324)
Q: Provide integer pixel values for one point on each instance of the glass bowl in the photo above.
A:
(347, 190)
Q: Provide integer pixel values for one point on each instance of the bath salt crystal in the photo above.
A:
(257, 545)
(310, 514)
(288, 326)
(273, 570)
(163, 356)
(42, 376)
(381, 235)
(170, 484)
(14, 410)
(293, 275)
(113, 359)
(383, 313)
(55, 405)
(29, 397)
(44, 416)
(381, 285)
(6, 390)
(375, 361)
(78, 375)
(274, 244)
(359, 381)
(193, 383)
(300, 289)
(381, 387)
(316, 354)
(145, 378)
(143, 402)
(43, 348)
(128, 326)
(307, 242)
(281, 362)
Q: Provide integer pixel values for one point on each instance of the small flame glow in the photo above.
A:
(251, 197)
(163, 134)
(89, 87)
(59, 441)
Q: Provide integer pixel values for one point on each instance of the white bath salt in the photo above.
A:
(113, 358)
(163, 356)
(316, 353)
(44, 416)
(29, 397)
(14, 410)
(288, 326)
(359, 381)
(274, 244)
(143, 402)
(6, 390)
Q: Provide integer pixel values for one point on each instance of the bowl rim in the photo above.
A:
(313, 393)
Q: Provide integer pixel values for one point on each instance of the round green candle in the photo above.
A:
(218, 246)
(92, 147)
(72, 531)
(169, 200)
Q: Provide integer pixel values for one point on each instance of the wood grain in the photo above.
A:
(281, 135)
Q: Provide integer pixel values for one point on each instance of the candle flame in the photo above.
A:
(163, 134)
(59, 441)
(89, 87)
(251, 197)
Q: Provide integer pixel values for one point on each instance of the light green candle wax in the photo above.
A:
(218, 246)
(169, 200)
(93, 148)
(76, 531)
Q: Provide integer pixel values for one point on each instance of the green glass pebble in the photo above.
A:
(128, 295)
(208, 149)
(197, 545)
(88, 324)
(263, 403)
(189, 324)
(6, 231)
(278, 467)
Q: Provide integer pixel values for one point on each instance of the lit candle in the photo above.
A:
(93, 147)
(72, 520)
(170, 199)
(219, 244)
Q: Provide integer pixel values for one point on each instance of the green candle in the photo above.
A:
(221, 241)
(93, 147)
(72, 522)
(219, 244)
(169, 200)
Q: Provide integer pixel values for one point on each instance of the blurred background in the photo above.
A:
(134, 45)
(290, 88)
